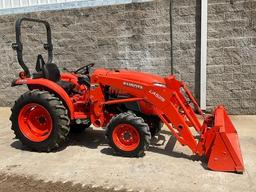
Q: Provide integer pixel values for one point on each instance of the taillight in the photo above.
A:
(22, 75)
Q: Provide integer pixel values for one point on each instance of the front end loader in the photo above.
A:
(131, 106)
(172, 102)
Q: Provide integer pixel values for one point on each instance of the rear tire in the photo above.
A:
(128, 135)
(27, 126)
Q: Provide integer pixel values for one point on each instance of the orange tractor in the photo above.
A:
(131, 107)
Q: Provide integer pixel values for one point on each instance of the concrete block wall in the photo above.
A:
(231, 55)
(137, 36)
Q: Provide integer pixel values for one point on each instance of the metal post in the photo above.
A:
(171, 35)
(203, 72)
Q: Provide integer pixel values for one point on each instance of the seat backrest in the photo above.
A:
(51, 72)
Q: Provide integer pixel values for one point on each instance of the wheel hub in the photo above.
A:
(42, 120)
(127, 135)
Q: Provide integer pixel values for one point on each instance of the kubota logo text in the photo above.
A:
(157, 95)
(133, 85)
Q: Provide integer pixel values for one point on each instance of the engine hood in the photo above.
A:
(129, 75)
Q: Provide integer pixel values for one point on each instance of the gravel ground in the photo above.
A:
(28, 184)
(87, 160)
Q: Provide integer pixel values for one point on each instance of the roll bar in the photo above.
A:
(18, 46)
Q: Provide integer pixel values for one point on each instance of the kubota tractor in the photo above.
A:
(131, 107)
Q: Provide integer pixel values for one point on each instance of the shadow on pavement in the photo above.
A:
(89, 138)
(93, 138)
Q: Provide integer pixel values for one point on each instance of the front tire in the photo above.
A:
(40, 120)
(128, 135)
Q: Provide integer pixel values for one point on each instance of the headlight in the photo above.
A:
(159, 85)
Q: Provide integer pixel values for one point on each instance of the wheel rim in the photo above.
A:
(35, 122)
(126, 137)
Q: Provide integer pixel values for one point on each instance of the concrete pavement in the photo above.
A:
(88, 160)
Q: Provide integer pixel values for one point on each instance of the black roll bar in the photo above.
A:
(18, 46)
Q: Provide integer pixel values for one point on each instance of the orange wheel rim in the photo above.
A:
(35, 122)
(126, 137)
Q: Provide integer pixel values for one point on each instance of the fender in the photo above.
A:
(48, 85)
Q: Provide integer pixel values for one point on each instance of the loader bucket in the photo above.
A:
(222, 144)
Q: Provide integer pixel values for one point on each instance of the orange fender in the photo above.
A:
(51, 86)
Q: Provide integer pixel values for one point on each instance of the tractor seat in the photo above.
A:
(52, 73)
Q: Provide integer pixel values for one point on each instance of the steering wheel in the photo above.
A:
(85, 69)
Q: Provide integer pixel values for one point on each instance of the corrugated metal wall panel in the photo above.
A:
(24, 3)
(27, 6)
